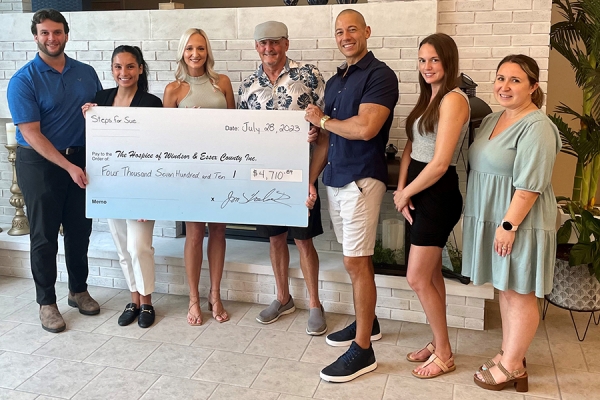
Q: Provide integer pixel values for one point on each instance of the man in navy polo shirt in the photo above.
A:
(359, 103)
(45, 99)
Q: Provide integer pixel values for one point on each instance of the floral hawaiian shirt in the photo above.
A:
(297, 86)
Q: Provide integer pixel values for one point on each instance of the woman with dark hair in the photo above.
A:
(133, 238)
(197, 85)
(508, 230)
(428, 194)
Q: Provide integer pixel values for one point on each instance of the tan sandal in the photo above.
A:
(219, 313)
(429, 347)
(437, 361)
(197, 319)
(490, 363)
(518, 378)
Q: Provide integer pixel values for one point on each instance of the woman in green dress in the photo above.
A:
(509, 237)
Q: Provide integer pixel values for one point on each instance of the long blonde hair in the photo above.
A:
(181, 72)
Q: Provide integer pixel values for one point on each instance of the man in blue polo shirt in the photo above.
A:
(45, 99)
(359, 104)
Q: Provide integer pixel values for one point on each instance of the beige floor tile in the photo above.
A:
(6, 326)
(282, 324)
(118, 301)
(335, 322)
(478, 343)
(319, 352)
(411, 388)
(87, 323)
(231, 368)
(7, 394)
(132, 331)
(235, 309)
(291, 377)
(117, 384)
(274, 343)
(416, 336)
(16, 368)
(560, 327)
(172, 388)
(591, 353)
(539, 353)
(225, 392)
(542, 381)
(30, 314)
(10, 305)
(60, 288)
(392, 360)
(42, 397)
(367, 387)
(476, 393)
(390, 331)
(122, 353)
(14, 287)
(104, 294)
(61, 378)
(171, 305)
(25, 338)
(578, 385)
(176, 360)
(292, 397)
(72, 345)
(174, 330)
(568, 355)
(226, 336)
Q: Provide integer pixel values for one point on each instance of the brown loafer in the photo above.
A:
(84, 302)
(51, 319)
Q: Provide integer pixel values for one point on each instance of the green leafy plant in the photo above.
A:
(577, 38)
(587, 248)
(383, 255)
(455, 255)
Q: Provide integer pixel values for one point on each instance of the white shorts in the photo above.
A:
(354, 211)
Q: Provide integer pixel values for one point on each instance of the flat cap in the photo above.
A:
(272, 30)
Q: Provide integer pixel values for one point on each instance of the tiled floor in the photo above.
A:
(241, 359)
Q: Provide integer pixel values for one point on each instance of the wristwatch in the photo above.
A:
(323, 120)
(507, 226)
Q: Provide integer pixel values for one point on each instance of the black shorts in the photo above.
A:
(314, 228)
(437, 208)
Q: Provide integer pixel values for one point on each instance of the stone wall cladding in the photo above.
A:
(485, 31)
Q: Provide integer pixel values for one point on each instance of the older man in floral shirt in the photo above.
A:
(283, 84)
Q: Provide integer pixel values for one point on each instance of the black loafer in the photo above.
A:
(129, 314)
(146, 316)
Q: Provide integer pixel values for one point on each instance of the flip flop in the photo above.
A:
(429, 347)
(437, 361)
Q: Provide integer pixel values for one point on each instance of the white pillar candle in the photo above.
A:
(11, 134)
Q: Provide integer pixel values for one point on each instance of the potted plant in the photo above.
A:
(576, 284)
(577, 38)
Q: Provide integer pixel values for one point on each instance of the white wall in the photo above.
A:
(485, 31)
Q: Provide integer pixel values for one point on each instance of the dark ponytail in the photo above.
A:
(139, 58)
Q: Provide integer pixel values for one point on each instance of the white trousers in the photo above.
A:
(136, 254)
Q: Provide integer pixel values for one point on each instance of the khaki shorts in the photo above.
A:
(354, 211)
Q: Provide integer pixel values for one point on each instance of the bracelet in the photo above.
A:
(323, 120)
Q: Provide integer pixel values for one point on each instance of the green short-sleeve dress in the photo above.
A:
(520, 157)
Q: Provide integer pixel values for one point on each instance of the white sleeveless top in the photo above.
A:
(423, 145)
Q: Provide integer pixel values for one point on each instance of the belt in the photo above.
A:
(66, 152)
(71, 150)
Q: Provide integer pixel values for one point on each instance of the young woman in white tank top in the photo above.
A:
(197, 85)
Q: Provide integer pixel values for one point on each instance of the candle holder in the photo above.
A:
(20, 223)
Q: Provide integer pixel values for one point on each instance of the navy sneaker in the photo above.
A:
(355, 362)
(347, 335)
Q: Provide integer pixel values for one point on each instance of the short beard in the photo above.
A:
(44, 50)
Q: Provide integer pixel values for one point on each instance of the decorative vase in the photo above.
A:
(317, 2)
(574, 288)
(290, 2)
(347, 1)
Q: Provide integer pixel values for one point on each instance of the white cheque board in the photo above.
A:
(235, 166)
